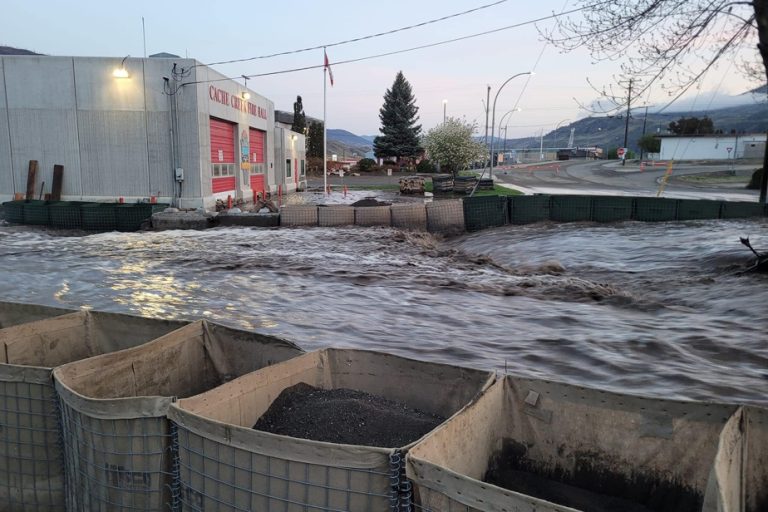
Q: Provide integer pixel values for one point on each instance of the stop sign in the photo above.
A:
(620, 152)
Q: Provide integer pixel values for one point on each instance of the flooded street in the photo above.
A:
(653, 309)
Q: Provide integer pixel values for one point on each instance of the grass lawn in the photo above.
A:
(497, 191)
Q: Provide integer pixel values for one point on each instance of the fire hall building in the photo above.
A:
(136, 128)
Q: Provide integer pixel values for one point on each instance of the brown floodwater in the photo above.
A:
(654, 309)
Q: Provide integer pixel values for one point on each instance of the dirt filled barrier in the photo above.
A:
(409, 216)
(756, 467)
(485, 212)
(12, 313)
(532, 445)
(119, 447)
(298, 215)
(335, 215)
(226, 464)
(373, 216)
(32, 471)
(445, 216)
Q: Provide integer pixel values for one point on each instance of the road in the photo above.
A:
(610, 178)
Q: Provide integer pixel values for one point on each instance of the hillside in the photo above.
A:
(346, 144)
(10, 50)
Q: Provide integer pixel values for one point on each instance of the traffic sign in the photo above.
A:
(620, 152)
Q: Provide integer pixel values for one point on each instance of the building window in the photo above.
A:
(288, 170)
(302, 169)
(222, 170)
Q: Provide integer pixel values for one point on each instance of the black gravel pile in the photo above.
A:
(345, 416)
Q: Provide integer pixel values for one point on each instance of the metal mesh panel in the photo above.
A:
(129, 217)
(445, 216)
(409, 216)
(528, 209)
(66, 215)
(655, 209)
(335, 216)
(298, 215)
(14, 211)
(31, 467)
(373, 216)
(99, 217)
(217, 476)
(739, 209)
(36, 213)
(691, 209)
(485, 212)
(117, 464)
(611, 209)
(571, 208)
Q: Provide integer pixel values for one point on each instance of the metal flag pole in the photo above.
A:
(325, 144)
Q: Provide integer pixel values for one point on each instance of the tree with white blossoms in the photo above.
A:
(453, 145)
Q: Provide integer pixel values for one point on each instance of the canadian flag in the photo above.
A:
(328, 67)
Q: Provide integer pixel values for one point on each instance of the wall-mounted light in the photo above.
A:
(246, 95)
(294, 137)
(121, 72)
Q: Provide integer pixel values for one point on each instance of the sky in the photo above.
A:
(458, 73)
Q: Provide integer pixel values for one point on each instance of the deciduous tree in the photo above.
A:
(452, 143)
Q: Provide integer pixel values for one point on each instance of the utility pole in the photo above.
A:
(645, 120)
(626, 123)
(541, 147)
(487, 111)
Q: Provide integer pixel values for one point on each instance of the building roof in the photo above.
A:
(708, 135)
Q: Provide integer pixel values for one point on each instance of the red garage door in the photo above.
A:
(257, 142)
(223, 162)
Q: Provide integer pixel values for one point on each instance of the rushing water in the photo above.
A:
(655, 309)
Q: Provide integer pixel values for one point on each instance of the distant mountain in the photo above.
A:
(348, 138)
(346, 144)
(369, 137)
(9, 50)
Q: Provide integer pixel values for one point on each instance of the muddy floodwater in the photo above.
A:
(654, 309)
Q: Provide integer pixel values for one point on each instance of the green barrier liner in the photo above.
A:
(612, 209)
(66, 215)
(571, 208)
(14, 211)
(99, 216)
(693, 209)
(484, 212)
(36, 213)
(741, 210)
(655, 209)
(130, 217)
(528, 209)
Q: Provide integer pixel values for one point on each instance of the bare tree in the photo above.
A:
(670, 43)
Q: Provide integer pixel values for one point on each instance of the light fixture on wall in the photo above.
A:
(121, 72)
(245, 94)
(294, 137)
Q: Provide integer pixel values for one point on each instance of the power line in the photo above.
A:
(396, 52)
(362, 38)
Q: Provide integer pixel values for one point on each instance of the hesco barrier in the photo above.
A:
(130, 217)
(36, 213)
(528, 209)
(695, 209)
(226, 465)
(373, 216)
(612, 209)
(409, 216)
(335, 215)
(756, 467)
(445, 216)
(12, 313)
(571, 208)
(655, 209)
(119, 447)
(485, 212)
(32, 472)
(741, 209)
(534, 434)
(298, 215)
(98, 216)
(13, 211)
(66, 215)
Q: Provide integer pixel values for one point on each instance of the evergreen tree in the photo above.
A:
(299, 119)
(315, 140)
(399, 132)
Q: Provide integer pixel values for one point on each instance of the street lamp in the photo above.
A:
(554, 133)
(445, 104)
(493, 116)
(516, 109)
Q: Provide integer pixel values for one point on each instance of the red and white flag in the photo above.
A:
(328, 67)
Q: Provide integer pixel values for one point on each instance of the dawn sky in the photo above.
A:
(457, 72)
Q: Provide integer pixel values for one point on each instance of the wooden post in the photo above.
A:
(58, 181)
(31, 175)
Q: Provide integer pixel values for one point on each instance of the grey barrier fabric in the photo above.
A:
(12, 313)
(409, 216)
(335, 215)
(118, 444)
(679, 455)
(445, 216)
(226, 465)
(373, 216)
(32, 469)
(756, 467)
(298, 215)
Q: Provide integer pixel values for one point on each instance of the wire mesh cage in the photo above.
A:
(741, 209)
(298, 215)
(335, 215)
(227, 465)
(409, 216)
(485, 212)
(655, 209)
(373, 216)
(32, 467)
(567, 208)
(445, 216)
(36, 213)
(66, 215)
(13, 211)
(529, 209)
(693, 209)
(99, 216)
(612, 209)
(130, 217)
(118, 444)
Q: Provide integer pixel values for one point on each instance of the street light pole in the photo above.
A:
(445, 104)
(626, 123)
(493, 116)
